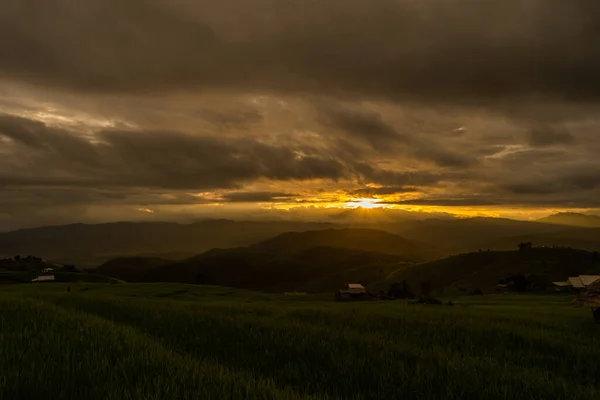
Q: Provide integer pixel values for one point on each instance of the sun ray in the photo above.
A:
(367, 203)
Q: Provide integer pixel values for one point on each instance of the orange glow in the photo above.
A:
(364, 203)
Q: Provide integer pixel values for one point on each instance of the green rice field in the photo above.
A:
(166, 341)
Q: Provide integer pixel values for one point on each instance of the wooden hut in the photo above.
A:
(590, 298)
(44, 278)
(352, 291)
(582, 282)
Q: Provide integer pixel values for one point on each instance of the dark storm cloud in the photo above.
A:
(384, 190)
(453, 50)
(240, 119)
(40, 155)
(444, 202)
(427, 150)
(44, 155)
(560, 183)
(255, 197)
(370, 128)
(548, 135)
(362, 125)
(401, 178)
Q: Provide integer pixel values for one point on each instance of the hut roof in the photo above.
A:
(591, 297)
(355, 286)
(589, 279)
(583, 281)
(43, 278)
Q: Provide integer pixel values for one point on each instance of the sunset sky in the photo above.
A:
(182, 109)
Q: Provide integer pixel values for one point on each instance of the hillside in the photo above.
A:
(90, 245)
(579, 238)
(305, 261)
(131, 269)
(573, 219)
(483, 270)
(369, 240)
(468, 234)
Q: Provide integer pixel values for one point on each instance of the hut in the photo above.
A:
(352, 291)
(354, 288)
(560, 286)
(43, 278)
(582, 282)
(590, 298)
(501, 288)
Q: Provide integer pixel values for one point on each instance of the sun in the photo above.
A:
(364, 203)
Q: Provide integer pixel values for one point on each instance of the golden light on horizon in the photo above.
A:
(367, 203)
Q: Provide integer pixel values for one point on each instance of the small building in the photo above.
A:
(353, 288)
(560, 286)
(590, 297)
(582, 281)
(44, 278)
(501, 288)
(352, 291)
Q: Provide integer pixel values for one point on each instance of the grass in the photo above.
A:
(162, 341)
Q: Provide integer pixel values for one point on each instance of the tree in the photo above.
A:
(426, 288)
(524, 246)
(401, 291)
(70, 268)
(518, 282)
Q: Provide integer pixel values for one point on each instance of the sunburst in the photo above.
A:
(365, 203)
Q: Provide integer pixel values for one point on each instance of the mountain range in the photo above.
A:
(308, 261)
(276, 256)
(573, 219)
(91, 245)
(322, 261)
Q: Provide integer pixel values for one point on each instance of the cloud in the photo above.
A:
(444, 202)
(548, 136)
(39, 155)
(366, 126)
(171, 105)
(47, 156)
(369, 127)
(565, 183)
(257, 197)
(451, 51)
(384, 190)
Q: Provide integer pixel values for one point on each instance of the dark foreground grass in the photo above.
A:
(175, 341)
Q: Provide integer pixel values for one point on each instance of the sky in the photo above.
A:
(297, 109)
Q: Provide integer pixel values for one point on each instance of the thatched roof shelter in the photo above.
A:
(582, 281)
(590, 297)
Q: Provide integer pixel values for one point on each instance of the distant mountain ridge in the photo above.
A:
(468, 234)
(306, 261)
(566, 236)
(90, 245)
(573, 219)
(358, 239)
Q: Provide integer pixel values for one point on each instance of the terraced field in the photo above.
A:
(160, 341)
